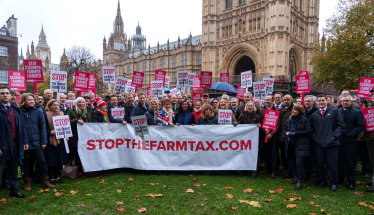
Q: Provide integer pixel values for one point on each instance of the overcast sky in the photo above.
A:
(85, 22)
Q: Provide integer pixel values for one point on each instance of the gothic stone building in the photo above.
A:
(238, 35)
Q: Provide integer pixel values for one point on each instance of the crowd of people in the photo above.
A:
(321, 136)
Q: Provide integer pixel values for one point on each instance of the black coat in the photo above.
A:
(354, 125)
(301, 135)
(192, 118)
(5, 133)
(285, 115)
(138, 110)
(98, 116)
(311, 111)
(34, 122)
(128, 110)
(149, 115)
(327, 129)
(66, 109)
(240, 109)
(111, 119)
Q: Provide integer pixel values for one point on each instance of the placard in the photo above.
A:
(157, 88)
(366, 84)
(224, 117)
(241, 91)
(246, 79)
(196, 97)
(17, 80)
(270, 119)
(59, 81)
(302, 84)
(81, 81)
(118, 113)
(206, 79)
(160, 76)
(197, 84)
(182, 78)
(121, 84)
(108, 75)
(149, 91)
(140, 125)
(62, 126)
(34, 71)
(191, 77)
(269, 85)
(174, 91)
(259, 89)
(369, 119)
(92, 83)
(69, 103)
(130, 89)
(225, 77)
(137, 79)
(304, 72)
(167, 81)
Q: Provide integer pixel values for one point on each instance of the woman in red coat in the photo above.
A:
(197, 110)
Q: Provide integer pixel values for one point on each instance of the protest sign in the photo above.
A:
(149, 91)
(224, 117)
(259, 89)
(269, 85)
(157, 89)
(174, 91)
(63, 130)
(197, 83)
(69, 103)
(34, 71)
(118, 113)
(81, 81)
(304, 72)
(121, 84)
(160, 76)
(225, 77)
(108, 75)
(181, 89)
(241, 91)
(270, 119)
(59, 81)
(302, 84)
(17, 80)
(246, 79)
(167, 81)
(366, 84)
(182, 78)
(206, 79)
(196, 96)
(137, 79)
(369, 119)
(140, 125)
(92, 83)
(218, 147)
(191, 77)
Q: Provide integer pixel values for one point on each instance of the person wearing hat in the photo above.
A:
(205, 99)
(87, 99)
(100, 114)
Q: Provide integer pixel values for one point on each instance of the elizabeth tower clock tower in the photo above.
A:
(42, 49)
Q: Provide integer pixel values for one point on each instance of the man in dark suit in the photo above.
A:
(13, 140)
(63, 106)
(354, 125)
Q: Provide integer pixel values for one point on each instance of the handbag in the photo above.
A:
(69, 171)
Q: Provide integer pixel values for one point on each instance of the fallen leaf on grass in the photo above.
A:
(362, 204)
(311, 203)
(358, 182)
(254, 204)
(102, 181)
(107, 174)
(191, 175)
(46, 190)
(137, 196)
(271, 191)
(248, 190)
(255, 195)
(130, 179)
(313, 214)
(244, 201)
(32, 198)
(323, 211)
(291, 206)
(202, 205)
(279, 190)
(229, 188)
(54, 190)
(150, 195)
(290, 199)
(159, 195)
(365, 196)
(251, 183)
(204, 184)
(233, 208)
(370, 202)
(58, 194)
(332, 197)
(371, 207)
(360, 187)
(358, 193)
(73, 192)
(245, 182)
(82, 206)
(164, 185)
(2, 200)
(119, 203)
(88, 194)
(190, 191)
(121, 209)
(153, 184)
(10, 197)
(297, 198)
(229, 196)
(194, 180)
(267, 200)
(315, 196)
(197, 185)
(289, 180)
(119, 191)
(78, 182)
(141, 210)
(41, 191)
(317, 206)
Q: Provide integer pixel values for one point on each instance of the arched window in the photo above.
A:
(228, 4)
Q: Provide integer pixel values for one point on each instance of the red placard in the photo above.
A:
(241, 91)
(302, 84)
(92, 83)
(197, 83)
(149, 91)
(270, 119)
(34, 71)
(206, 79)
(304, 72)
(196, 96)
(81, 81)
(160, 76)
(225, 77)
(17, 80)
(366, 84)
(369, 119)
(137, 79)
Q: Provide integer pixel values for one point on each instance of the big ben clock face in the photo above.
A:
(44, 56)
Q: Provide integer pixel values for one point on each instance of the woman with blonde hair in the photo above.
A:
(223, 105)
(197, 111)
(55, 152)
(152, 113)
(207, 116)
(249, 115)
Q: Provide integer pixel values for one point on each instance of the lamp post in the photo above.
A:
(292, 59)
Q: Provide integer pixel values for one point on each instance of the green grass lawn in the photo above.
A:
(99, 198)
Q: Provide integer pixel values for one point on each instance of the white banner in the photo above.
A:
(108, 75)
(223, 147)
(118, 113)
(224, 117)
(58, 82)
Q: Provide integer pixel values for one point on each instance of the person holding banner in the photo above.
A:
(247, 98)
(34, 123)
(55, 152)
(152, 114)
(297, 129)
(184, 115)
(197, 112)
(100, 114)
(80, 113)
(166, 115)
(207, 116)
(140, 108)
(114, 104)
(222, 105)
(129, 106)
(249, 116)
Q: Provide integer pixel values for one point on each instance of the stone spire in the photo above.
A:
(149, 49)
(168, 44)
(118, 9)
(32, 48)
(179, 41)
(158, 46)
(190, 39)
(27, 52)
(104, 44)
(323, 46)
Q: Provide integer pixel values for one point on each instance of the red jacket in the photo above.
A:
(197, 114)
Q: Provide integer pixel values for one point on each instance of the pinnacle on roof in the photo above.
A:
(118, 9)
(42, 34)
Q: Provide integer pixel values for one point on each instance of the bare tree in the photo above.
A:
(80, 59)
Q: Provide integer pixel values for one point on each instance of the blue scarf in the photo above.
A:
(186, 118)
